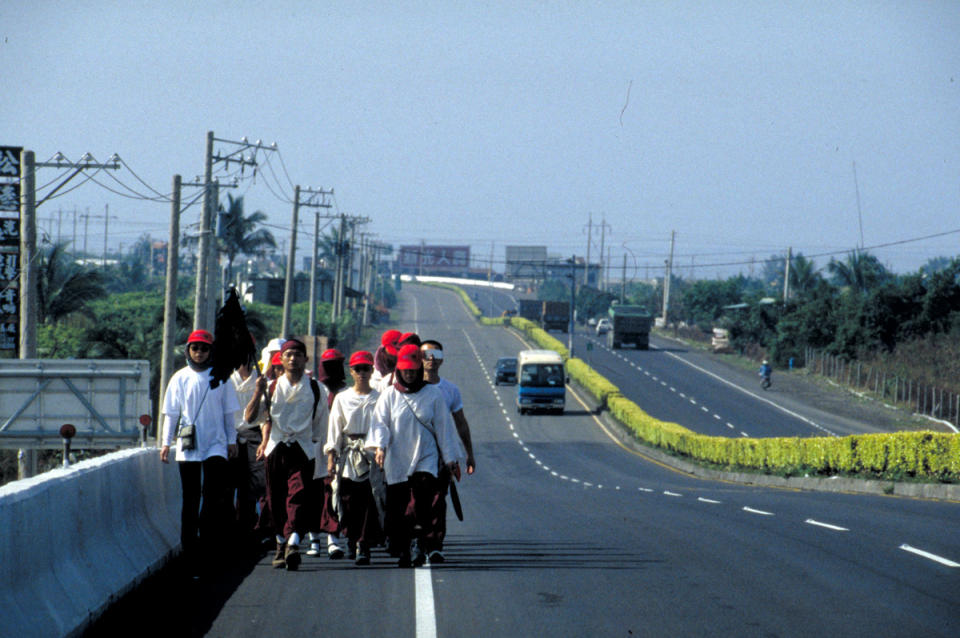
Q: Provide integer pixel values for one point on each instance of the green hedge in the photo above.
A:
(926, 455)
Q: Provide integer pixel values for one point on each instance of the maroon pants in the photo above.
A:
(413, 512)
(323, 518)
(359, 521)
(289, 474)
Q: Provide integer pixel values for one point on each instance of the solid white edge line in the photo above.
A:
(835, 528)
(426, 611)
(933, 557)
(753, 511)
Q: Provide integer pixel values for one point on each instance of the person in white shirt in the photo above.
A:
(412, 434)
(432, 352)
(190, 400)
(248, 471)
(296, 419)
(350, 464)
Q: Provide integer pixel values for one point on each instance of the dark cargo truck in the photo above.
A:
(629, 325)
(529, 309)
(555, 315)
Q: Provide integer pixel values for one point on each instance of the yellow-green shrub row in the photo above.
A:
(931, 455)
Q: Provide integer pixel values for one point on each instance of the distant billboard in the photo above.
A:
(433, 259)
(526, 262)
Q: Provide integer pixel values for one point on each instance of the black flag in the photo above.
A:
(232, 344)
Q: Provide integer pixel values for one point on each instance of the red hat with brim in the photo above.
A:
(389, 341)
(275, 360)
(331, 355)
(409, 357)
(200, 336)
(360, 358)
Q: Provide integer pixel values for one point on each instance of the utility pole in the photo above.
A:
(86, 222)
(316, 203)
(343, 275)
(573, 304)
(291, 266)
(28, 319)
(170, 299)
(205, 299)
(623, 280)
(666, 280)
(786, 275)
(603, 236)
(490, 265)
(338, 277)
(586, 270)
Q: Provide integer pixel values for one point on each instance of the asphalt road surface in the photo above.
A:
(566, 533)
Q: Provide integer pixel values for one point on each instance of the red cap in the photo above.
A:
(409, 357)
(389, 341)
(200, 336)
(276, 360)
(361, 357)
(331, 355)
(408, 337)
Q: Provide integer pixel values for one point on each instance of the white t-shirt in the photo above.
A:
(451, 394)
(409, 446)
(190, 400)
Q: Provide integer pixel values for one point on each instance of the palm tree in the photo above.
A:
(861, 271)
(63, 286)
(238, 235)
(803, 276)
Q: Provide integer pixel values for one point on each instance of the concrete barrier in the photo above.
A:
(73, 540)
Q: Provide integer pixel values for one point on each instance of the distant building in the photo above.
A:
(270, 290)
(433, 260)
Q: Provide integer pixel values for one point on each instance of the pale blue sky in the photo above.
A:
(734, 123)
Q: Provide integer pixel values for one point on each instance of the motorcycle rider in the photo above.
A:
(765, 372)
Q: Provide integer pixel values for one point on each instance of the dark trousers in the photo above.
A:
(359, 522)
(206, 503)
(412, 512)
(249, 479)
(289, 478)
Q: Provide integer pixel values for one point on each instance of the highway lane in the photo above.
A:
(566, 533)
(690, 387)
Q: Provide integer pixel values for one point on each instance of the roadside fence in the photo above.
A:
(924, 399)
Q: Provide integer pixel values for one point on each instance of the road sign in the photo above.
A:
(103, 398)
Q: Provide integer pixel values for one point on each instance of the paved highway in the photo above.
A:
(566, 533)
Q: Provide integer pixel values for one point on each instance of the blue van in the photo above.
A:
(541, 381)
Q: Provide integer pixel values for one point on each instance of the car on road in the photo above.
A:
(603, 326)
(506, 370)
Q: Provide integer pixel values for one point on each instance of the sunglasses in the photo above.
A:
(200, 347)
(430, 355)
(363, 367)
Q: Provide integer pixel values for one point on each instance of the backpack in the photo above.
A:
(313, 386)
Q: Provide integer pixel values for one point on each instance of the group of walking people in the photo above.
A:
(357, 465)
